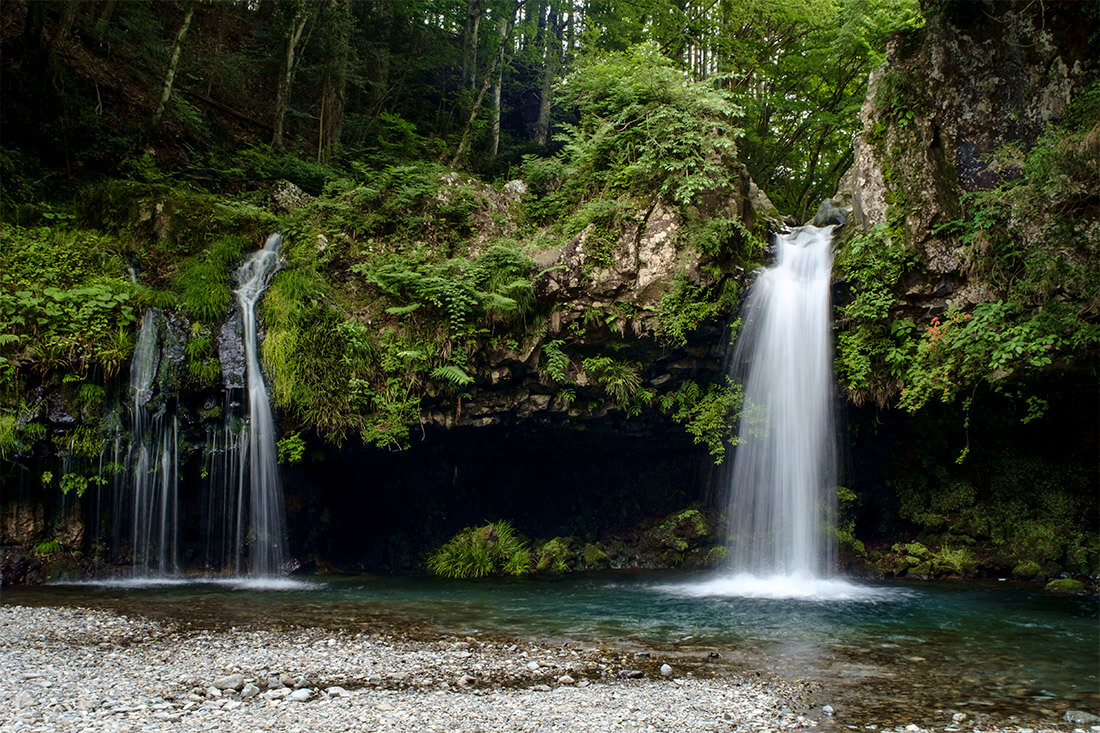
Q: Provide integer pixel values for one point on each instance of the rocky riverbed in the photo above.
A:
(74, 669)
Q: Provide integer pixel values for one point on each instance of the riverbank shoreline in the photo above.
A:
(74, 669)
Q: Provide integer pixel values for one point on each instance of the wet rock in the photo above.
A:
(631, 674)
(829, 213)
(1080, 717)
(827, 709)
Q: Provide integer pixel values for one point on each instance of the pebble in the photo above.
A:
(230, 682)
(111, 673)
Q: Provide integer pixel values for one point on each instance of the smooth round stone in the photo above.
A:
(301, 694)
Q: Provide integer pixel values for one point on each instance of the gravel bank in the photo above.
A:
(64, 669)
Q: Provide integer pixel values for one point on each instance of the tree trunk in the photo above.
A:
(104, 18)
(334, 93)
(68, 12)
(552, 59)
(464, 143)
(173, 64)
(470, 42)
(286, 77)
(494, 141)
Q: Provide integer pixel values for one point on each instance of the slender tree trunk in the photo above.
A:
(173, 65)
(286, 78)
(464, 143)
(104, 18)
(334, 94)
(494, 142)
(474, 11)
(552, 60)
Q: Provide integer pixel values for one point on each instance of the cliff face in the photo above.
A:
(969, 296)
(949, 114)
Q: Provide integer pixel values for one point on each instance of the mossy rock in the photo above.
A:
(682, 531)
(595, 557)
(1027, 570)
(1065, 585)
(555, 556)
(922, 569)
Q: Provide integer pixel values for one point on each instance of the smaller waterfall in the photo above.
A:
(266, 534)
(152, 462)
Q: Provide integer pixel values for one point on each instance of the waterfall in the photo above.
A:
(783, 479)
(152, 461)
(266, 540)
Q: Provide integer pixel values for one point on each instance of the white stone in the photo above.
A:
(301, 694)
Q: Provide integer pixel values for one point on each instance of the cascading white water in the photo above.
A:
(783, 479)
(266, 541)
(152, 461)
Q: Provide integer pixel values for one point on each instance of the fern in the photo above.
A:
(452, 374)
(557, 363)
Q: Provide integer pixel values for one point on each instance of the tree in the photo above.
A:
(304, 12)
(507, 25)
(173, 64)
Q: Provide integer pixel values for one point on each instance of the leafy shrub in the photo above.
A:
(477, 552)
(710, 415)
(646, 127)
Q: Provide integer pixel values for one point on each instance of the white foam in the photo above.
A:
(782, 587)
(244, 583)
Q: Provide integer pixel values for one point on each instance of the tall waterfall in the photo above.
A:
(152, 461)
(783, 479)
(266, 533)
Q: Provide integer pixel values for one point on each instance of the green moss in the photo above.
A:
(1026, 570)
(1065, 585)
(595, 557)
(555, 556)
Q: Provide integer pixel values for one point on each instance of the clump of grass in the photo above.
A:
(476, 552)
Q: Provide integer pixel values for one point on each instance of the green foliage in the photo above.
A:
(74, 482)
(492, 289)
(47, 548)
(59, 311)
(1031, 510)
(685, 306)
(204, 281)
(621, 380)
(873, 350)
(644, 128)
(710, 415)
(291, 448)
(477, 552)
(555, 364)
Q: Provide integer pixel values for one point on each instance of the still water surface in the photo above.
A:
(922, 647)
